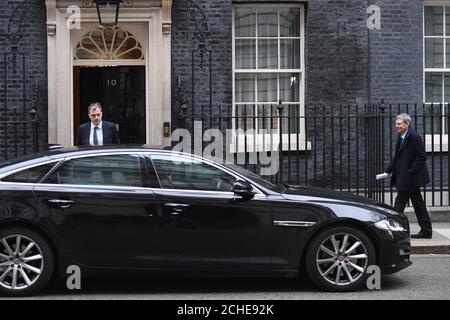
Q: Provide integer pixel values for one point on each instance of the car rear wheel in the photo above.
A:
(26, 262)
(337, 259)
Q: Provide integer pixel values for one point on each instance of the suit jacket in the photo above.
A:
(408, 167)
(110, 134)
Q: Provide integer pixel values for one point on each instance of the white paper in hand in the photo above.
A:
(383, 175)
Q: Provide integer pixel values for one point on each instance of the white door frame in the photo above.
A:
(60, 66)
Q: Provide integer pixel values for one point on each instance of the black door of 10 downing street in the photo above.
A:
(121, 92)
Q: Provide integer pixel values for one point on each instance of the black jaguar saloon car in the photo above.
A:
(146, 211)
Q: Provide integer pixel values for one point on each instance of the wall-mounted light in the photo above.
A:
(108, 12)
(166, 127)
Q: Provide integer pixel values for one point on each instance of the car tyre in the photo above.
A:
(26, 262)
(337, 259)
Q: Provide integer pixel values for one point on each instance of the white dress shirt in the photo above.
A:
(403, 136)
(99, 135)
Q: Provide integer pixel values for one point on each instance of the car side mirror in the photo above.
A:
(244, 189)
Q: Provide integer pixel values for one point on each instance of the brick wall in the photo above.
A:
(23, 61)
(396, 52)
(211, 80)
(341, 66)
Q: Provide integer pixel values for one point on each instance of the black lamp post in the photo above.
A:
(108, 11)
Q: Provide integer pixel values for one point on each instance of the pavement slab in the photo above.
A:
(439, 244)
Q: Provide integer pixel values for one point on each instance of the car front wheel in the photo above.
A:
(26, 262)
(337, 259)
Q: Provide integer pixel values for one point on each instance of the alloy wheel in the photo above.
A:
(21, 262)
(342, 259)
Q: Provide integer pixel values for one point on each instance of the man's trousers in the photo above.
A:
(420, 209)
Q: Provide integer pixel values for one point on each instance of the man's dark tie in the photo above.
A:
(95, 136)
(401, 140)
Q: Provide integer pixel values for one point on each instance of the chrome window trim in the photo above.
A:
(6, 174)
(166, 153)
(136, 153)
(56, 187)
(194, 191)
(283, 223)
(259, 195)
(204, 160)
(112, 153)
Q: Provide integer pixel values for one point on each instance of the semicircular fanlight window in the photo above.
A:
(109, 43)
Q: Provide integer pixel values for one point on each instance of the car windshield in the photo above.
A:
(252, 176)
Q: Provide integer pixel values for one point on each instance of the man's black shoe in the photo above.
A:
(422, 235)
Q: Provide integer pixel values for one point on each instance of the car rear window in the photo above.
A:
(30, 175)
(20, 159)
(112, 170)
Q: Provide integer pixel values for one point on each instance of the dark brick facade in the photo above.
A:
(346, 63)
(396, 52)
(211, 80)
(23, 63)
(336, 52)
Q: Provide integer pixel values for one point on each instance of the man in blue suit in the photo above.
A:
(97, 132)
(409, 173)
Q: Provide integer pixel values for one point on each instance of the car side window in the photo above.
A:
(31, 175)
(152, 180)
(110, 170)
(177, 172)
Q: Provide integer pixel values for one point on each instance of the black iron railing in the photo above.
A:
(19, 131)
(340, 147)
(19, 124)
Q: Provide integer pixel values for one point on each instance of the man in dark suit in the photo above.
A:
(409, 173)
(97, 132)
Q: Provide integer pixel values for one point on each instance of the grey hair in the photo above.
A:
(405, 118)
(94, 105)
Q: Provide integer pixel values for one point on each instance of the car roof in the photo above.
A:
(57, 154)
(73, 151)
(60, 153)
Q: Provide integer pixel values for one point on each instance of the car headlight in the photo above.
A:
(390, 225)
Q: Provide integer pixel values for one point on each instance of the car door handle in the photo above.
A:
(176, 208)
(61, 203)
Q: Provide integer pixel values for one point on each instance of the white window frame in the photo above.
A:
(256, 141)
(433, 142)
